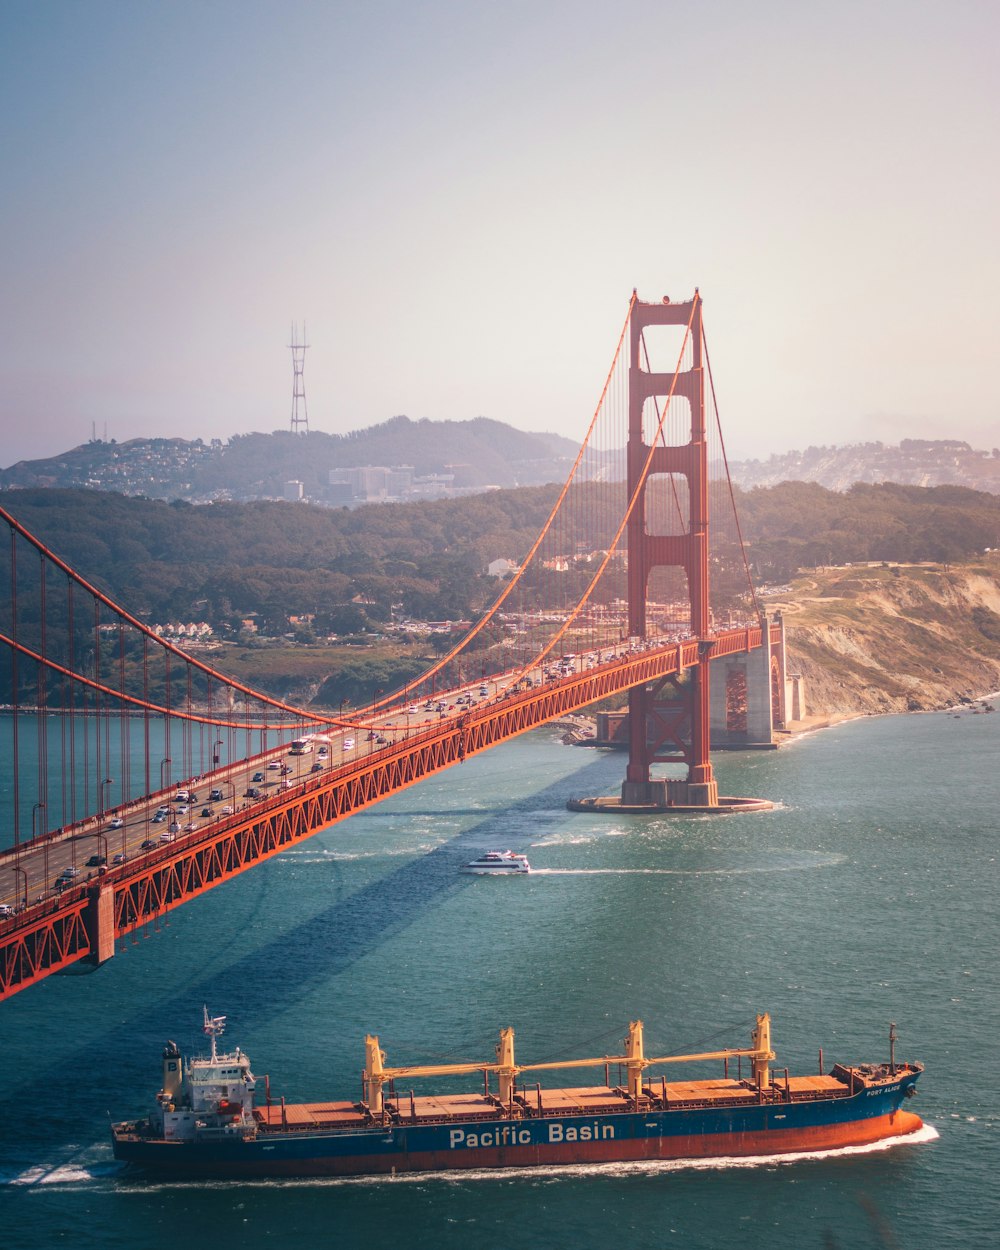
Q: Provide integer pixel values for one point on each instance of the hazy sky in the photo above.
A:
(458, 198)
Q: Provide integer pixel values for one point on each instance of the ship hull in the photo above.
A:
(772, 1128)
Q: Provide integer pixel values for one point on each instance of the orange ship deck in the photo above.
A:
(577, 1100)
(309, 1115)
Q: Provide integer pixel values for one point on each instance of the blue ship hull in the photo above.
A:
(774, 1125)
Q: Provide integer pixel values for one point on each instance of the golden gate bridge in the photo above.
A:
(142, 777)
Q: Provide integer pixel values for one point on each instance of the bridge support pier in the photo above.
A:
(749, 694)
(99, 922)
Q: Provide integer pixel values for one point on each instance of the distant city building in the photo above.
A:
(293, 491)
(379, 483)
(501, 568)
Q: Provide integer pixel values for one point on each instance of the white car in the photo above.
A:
(348, 744)
(116, 823)
(227, 810)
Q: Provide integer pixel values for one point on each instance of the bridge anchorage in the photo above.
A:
(668, 720)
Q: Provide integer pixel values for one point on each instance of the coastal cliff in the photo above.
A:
(872, 639)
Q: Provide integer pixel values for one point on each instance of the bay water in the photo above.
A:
(867, 896)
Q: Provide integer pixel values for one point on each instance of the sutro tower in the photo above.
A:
(300, 414)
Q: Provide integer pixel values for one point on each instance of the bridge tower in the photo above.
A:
(669, 721)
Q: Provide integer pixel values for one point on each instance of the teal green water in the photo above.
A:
(867, 896)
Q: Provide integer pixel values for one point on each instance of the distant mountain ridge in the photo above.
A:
(471, 455)
(474, 455)
(914, 462)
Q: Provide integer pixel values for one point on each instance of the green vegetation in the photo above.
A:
(349, 573)
(350, 570)
(802, 525)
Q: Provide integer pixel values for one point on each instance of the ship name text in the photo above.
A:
(519, 1135)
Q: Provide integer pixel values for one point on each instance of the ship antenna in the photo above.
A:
(213, 1027)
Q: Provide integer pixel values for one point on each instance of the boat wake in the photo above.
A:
(828, 861)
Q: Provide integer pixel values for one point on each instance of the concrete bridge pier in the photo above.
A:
(749, 694)
(99, 922)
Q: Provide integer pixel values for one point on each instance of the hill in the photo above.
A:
(894, 638)
(920, 627)
(457, 457)
(914, 462)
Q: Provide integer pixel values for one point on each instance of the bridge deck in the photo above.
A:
(163, 870)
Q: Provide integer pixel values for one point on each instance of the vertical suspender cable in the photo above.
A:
(15, 696)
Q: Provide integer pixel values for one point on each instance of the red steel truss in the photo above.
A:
(85, 922)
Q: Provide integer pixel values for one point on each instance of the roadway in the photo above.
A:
(106, 843)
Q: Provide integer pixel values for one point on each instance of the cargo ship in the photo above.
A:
(205, 1121)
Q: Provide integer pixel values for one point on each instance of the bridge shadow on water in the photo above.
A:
(330, 941)
(273, 977)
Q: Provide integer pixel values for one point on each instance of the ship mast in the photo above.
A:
(213, 1027)
(376, 1074)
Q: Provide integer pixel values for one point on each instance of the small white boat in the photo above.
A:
(498, 863)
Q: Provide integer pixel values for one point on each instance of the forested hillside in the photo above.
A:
(220, 562)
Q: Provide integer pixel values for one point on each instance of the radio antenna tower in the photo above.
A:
(300, 414)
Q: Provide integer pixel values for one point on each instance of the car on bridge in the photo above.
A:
(257, 777)
(316, 768)
(147, 845)
(96, 861)
(116, 823)
(216, 796)
(120, 858)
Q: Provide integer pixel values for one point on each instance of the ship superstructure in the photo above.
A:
(207, 1098)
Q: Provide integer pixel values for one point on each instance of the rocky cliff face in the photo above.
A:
(869, 640)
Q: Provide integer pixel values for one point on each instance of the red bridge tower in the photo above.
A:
(669, 721)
